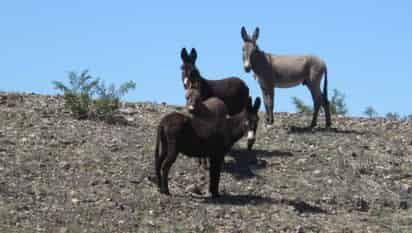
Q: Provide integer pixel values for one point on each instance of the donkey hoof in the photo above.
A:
(164, 191)
(215, 195)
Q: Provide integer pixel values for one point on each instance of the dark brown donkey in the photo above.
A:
(232, 91)
(285, 71)
(192, 136)
(207, 110)
(212, 108)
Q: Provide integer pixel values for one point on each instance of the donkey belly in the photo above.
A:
(288, 82)
(232, 91)
(195, 147)
(289, 71)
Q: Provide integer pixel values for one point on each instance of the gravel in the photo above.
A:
(58, 174)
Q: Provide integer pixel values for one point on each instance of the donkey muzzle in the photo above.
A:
(191, 107)
(246, 66)
(185, 81)
(250, 135)
(250, 139)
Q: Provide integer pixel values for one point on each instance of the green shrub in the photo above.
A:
(392, 116)
(108, 100)
(337, 104)
(78, 94)
(89, 98)
(300, 106)
(370, 112)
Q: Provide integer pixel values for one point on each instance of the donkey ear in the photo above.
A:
(256, 106)
(184, 55)
(255, 34)
(193, 55)
(244, 34)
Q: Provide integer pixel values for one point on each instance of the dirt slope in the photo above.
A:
(58, 174)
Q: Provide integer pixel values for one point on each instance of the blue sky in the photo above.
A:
(365, 44)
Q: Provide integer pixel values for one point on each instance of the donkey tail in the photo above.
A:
(325, 86)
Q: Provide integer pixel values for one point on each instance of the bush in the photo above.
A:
(78, 96)
(337, 104)
(89, 98)
(370, 112)
(300, 106)
(108, 100)
(392, 116)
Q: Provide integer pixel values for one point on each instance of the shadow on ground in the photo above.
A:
(246, 161)
(300, 129)
(304, 207)
(228, 199)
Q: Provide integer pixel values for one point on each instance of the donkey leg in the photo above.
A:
(214, 173)
(159, 161)
(317, 101)
(168, 162)
(204, 163)
(268, 97)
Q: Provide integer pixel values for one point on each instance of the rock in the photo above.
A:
(317, 172)
(193, 188)
(360, 204)
(75, 200)
(64, 165)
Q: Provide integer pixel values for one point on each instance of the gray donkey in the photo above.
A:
(285, 71)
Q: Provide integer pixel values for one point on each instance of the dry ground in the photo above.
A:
(58, 174)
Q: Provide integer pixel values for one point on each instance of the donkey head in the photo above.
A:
(249, 47)
(190, 74)
(251, 121)
(193, 99)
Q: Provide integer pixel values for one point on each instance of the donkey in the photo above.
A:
(212, 108)
(203, 110)
(285, 71)
(233, 91)
(192, 136)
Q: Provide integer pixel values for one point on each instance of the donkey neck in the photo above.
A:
(204, 88)
(261, 64)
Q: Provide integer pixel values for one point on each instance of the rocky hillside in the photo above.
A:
(58, 174)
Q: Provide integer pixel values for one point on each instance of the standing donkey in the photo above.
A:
(211, 138)
(285, 71)
(232, 91)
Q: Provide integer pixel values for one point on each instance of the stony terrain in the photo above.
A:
(58, 174)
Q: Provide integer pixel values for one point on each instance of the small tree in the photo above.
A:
(89, 98)
(300, 106)
(370, 112)
(108, 100)
(78, 94)
(392, 116)
(337, 104)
